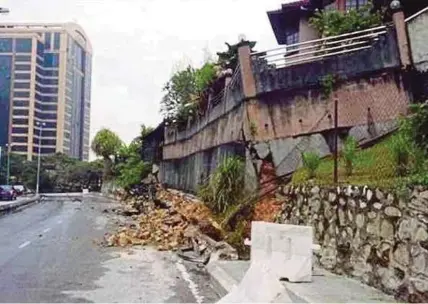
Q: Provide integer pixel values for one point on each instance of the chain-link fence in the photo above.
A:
(352, 140)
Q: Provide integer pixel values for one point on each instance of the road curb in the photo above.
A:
(220, 280)
(19, 204)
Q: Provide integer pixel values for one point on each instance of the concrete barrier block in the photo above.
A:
(259, 285)
(285, 249)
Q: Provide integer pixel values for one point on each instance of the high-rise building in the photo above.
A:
(45, 80)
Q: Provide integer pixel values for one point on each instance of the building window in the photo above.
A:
(49, 81)
(5, 45)
(40, 71)
(16, 148)
(57, 40)
(21, 103)
(51, 116)
(49, 90)
(51, 73)
(45, 150)
(18, 112)
(21, 85)
(19, 139)
(45, 107)
(25, 94)
(20, 121)
(23, 58)
(48, 38)
(39, 61)
(49, 133)
(48, 142)
(25, 76)
(292, 37)
(51, 60)
(23, 67)
(52, 99)
(19, 130)
(50, 125)
(40, 49)
(23, 45)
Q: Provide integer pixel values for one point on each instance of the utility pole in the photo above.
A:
(336, 148)
(0, 160)
(8, 164)
(40, 125)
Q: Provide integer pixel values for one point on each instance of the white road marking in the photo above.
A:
(192, 285)
(24, 244)
(46, 230)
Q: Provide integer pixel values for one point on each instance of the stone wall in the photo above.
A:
(368, 234)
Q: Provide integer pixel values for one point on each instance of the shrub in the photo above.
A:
(333, 23)
(401, 148)
(311, 162)
(349, 154)
(225, 187)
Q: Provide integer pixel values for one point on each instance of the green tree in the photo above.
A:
(106, 144)
(184, 90)
(130, 169)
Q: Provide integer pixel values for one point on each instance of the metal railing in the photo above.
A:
(414, 16)
(318, 49)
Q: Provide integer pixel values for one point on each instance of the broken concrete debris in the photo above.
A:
(172, 221)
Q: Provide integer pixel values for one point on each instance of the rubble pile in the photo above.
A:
(267, 209)
(171, 221)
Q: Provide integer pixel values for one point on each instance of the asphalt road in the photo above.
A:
(49, 253)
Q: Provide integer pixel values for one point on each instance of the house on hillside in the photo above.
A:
(278, 105)
(290, 23)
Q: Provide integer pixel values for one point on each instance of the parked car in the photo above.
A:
(19, 189)
(7, 193)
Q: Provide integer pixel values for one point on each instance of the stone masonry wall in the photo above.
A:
(368, 234)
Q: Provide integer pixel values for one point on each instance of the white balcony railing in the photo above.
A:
(321, 48)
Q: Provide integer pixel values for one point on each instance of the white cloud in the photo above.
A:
(137, 44)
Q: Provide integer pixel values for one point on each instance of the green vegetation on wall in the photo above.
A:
(333, 22)
(225, 186)
(399, 159)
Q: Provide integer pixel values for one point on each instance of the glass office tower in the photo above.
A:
(45, 77)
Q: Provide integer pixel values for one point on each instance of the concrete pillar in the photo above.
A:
(251, 123)
(257, 125)
(341, 5)
(248, 81)
(401, 31)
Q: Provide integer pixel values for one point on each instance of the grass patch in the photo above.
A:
(374, 166)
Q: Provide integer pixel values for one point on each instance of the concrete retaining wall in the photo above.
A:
(189, 172)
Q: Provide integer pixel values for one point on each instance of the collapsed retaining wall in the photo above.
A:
(368, 234)
(289, 114)
(190, 172)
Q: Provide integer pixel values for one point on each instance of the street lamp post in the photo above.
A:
(40, 125)
(8, 163)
